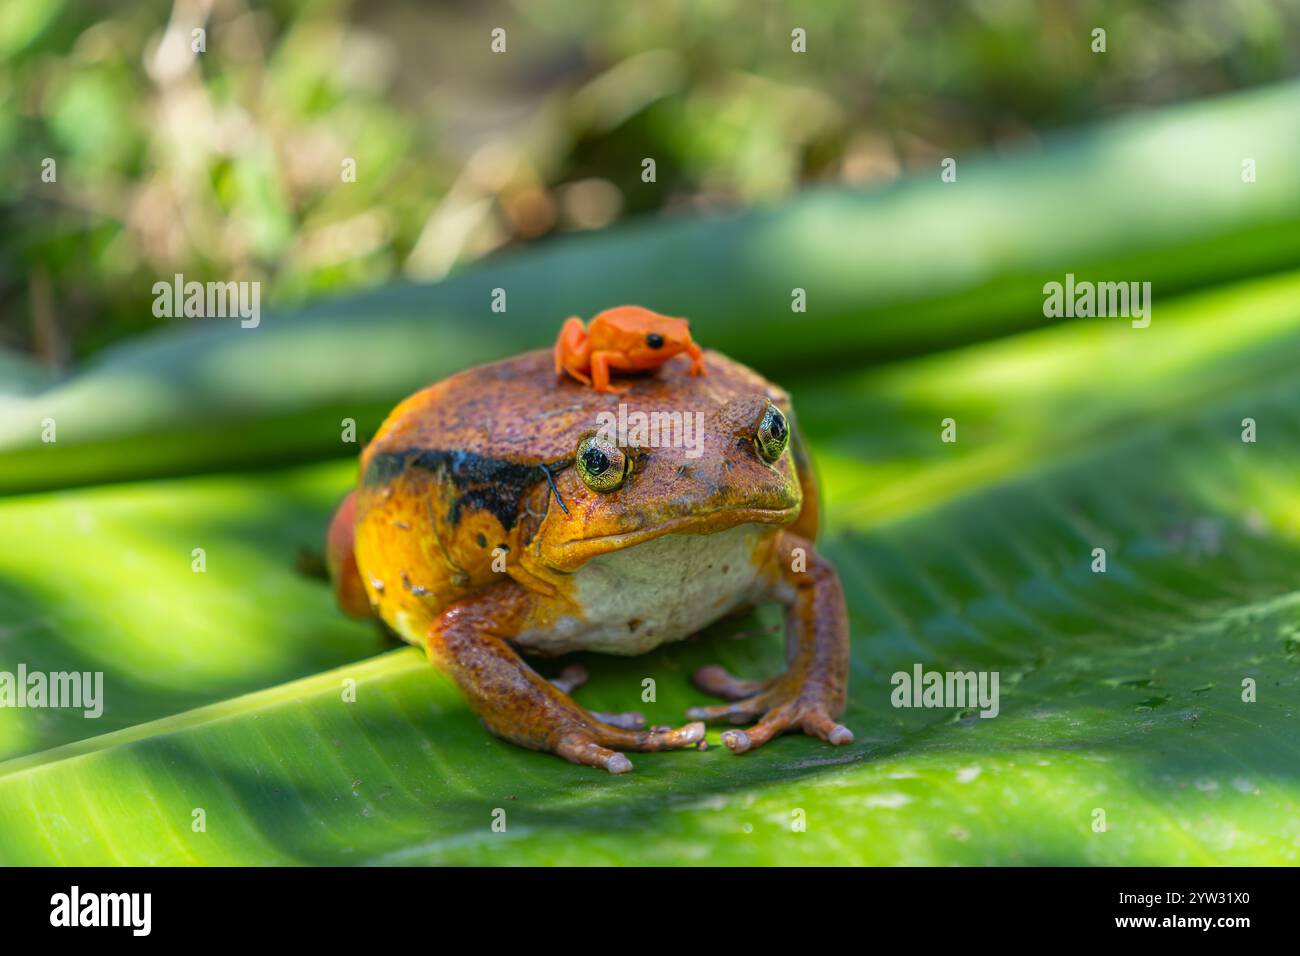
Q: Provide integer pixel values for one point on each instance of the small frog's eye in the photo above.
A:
(602, 464)
(773, 434)
(654, 340)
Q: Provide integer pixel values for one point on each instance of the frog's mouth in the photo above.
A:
(571, 555)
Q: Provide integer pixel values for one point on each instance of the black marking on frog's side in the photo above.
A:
(494, 485)
(384, 467)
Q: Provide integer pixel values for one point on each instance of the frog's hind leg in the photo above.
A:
(468, 642)
(572, 351)
(810, 695)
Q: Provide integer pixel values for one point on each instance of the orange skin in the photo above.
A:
(627, 338)
(459, 542)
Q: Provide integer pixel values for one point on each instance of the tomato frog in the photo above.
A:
(495, 518)
(627, 338)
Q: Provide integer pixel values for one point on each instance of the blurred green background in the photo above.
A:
(226, 164)
(1121, 691)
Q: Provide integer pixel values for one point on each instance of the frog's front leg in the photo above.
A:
(468, 641)
(601, 363)
(571, 348)
(697, 359)
(810, 695)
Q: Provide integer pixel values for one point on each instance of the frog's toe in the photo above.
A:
(618, 764)
(737, 712)
(749, 698)
(571, 678)
(737, 741)
(580, 748)
(819, 724)
(627, 720)
(778, 721)
(718, 682)
(592, 745)
(796, 717)
(649, 740)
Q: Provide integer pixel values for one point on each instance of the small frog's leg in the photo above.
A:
(571, 349)
(467, 641)
(601, 362)
(810, 695)
(697, 359)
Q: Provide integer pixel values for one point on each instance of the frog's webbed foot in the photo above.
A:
(518, 704)
(592, 743)
(780, 706)
(810, 695)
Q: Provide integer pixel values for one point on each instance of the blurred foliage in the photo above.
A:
(227, 164)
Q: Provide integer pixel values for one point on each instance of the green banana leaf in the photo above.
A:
(923, 264)
(1148, 714)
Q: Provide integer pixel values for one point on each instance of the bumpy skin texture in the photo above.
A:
(476, 537)
(626, 338)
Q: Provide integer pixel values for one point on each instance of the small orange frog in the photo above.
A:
(627, 338)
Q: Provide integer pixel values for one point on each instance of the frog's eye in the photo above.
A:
(602, 464)
(654, 340)
(773, 434)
